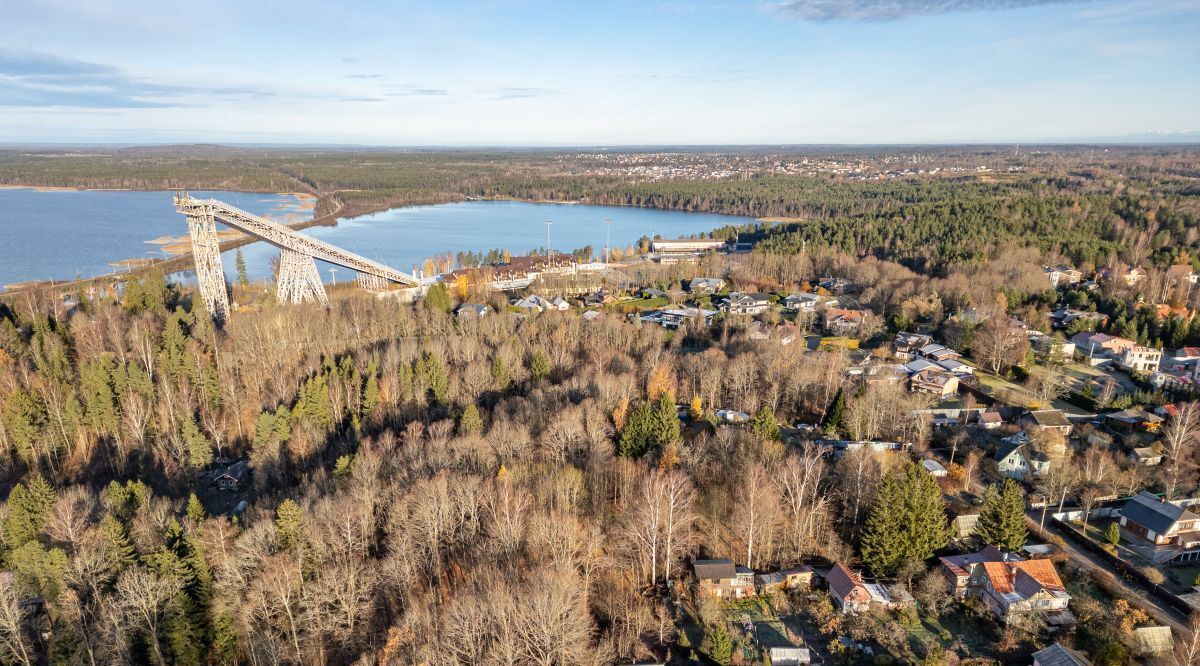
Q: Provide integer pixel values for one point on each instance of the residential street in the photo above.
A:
(1161, 612)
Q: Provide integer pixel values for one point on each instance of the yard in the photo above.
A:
(1179, 579)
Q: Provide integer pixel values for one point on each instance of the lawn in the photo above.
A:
(1181, 579)
(638, 304)
(960, 629)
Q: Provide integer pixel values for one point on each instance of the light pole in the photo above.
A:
(333, 277)
(607, 243)
(548, 223)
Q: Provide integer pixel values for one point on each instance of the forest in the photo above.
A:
(513, 489)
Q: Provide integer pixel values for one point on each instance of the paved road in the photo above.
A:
(1092, 562)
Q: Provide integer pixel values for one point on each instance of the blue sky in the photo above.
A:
(513, 72)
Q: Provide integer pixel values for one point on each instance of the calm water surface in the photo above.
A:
(61, 234)
(64, 234)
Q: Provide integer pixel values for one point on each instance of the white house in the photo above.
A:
(1139, 359)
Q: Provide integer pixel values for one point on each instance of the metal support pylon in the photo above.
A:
(210, 276)
(298, 279)
(371, 282)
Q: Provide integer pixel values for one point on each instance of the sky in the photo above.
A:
(599, 72)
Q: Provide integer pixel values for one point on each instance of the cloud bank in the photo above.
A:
(890, 10)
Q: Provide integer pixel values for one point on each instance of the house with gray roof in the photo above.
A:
(721, 579)
(1057, 655)
(1048, 419)
(1171, 528)
(1017, 459)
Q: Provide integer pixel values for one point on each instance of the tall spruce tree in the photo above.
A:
(907, 522)
(835, 413)
(765, 425)
(1002, 517)
(242, 279)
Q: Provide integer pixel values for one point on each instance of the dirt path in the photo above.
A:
(1092, 562)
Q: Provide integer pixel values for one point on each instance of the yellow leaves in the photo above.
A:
(503, 473)
(696, 409)
(462, 287)
(669, 458)
(621, 414)
(661, 381)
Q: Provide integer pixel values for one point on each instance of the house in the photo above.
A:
(936, 382)
(853, 595)
(651, 292)
(937, 353)
(964, 573)
(920, 365)
(1065, 316)
(1100, 348)
(677, 317)
(746, 303)
(721, 579)
(1013, 588)
(784, 333)
(1057, 655)
(705, 286)
(1139, 359)
(1062, 275)
(599, 297)
(1184, 358)
(1180, 273)
(956, 367)
(836, 285)
(1172, 528)
(906, 344)
(806, 302)
(838, 321)
(848, 590)
(468, 311)
(1053, 348)
(788, 656)
(592, 315)
(935, 468)
(1146, 456)
(686, 246)
(1135, 275)
(1048, 419)
(233, 477)
(796, 578)
(529, 303)
(1017, 460)
(990, 419)
(1129, 420)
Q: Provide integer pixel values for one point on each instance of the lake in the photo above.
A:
(64, 234)
(61, 234)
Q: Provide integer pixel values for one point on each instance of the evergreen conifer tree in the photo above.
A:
(765, 425)
(835, 414)
(242, 279)
(288, 521)
(907, 522)
(470, 423)
(29, 506)
(1002, 517)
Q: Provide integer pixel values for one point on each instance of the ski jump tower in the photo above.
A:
(297, 281)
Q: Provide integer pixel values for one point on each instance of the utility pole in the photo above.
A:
(548, 223)
(607, 247)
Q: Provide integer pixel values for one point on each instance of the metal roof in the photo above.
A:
(713, 569)
(1057, 655)
(1150, 512)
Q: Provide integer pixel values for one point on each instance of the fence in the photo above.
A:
(1128, 571)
